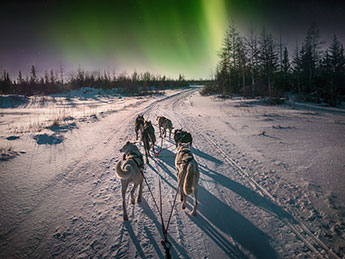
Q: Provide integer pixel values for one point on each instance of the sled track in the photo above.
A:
(298, 227)
(301, 230)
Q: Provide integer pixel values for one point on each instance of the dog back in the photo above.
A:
(181, 136)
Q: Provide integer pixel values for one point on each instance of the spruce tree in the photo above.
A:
(253, 58)
(296, 68)
(334, 70)
(33, 77)
(310, 55)
(268, 59)
(20, 77)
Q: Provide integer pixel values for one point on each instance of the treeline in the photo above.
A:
(258, 65)
(54, 82)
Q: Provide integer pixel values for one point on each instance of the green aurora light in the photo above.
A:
(166, 37)
(161, 36)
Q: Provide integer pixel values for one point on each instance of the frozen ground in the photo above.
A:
(271, 183)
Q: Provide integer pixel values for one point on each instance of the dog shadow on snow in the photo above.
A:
(215, 216)
(200, 153)
(152, 214)
(216, 219)
(212, 210)
(246, 193)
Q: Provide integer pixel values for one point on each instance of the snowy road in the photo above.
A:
(64, 200)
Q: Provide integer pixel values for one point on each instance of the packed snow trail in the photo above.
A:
(65, 201)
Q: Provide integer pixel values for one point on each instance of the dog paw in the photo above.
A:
(193, 213)
(139, 200)
(125, 218)
(183, 206)
(133, 201)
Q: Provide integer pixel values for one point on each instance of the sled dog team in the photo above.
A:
(132, 169)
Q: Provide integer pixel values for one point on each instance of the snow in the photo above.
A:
(271, 178)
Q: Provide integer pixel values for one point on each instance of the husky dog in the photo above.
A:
(139, 125)
(130, 172)
(165, 124)
(181, 136)
(187, 174)
(147, 137)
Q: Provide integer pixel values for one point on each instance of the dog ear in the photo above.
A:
(128, 143)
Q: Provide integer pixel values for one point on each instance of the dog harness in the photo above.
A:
(183, 137)
(137, 158)
(187, 156)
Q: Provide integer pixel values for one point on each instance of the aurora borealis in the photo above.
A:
(164, 37)
(156, 36)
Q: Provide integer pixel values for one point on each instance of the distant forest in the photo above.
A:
(55, 82)
(258, 65)
(249, 65)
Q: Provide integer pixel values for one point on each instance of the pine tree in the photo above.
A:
(334, 69)
(20, 79)
(61, 71)
(285, 62)
(52, 77)
(285, 70)
(33, 77)
(280, 54)
(240, 67)
(310, 55)
(223, 75)
(46, 77)
(135, 76)
(268, 58)
(5, 83)
(253, 58)
(297, 69)
(231, 41)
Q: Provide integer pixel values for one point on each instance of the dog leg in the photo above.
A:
(183, 196)
(124, 185)
(193, 213)
(184, 201)
(147, 151)
(132, 193)
(140, 191)
(179, 185)
(153, 148)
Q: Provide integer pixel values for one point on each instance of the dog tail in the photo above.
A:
(124, 173)
(191, 179)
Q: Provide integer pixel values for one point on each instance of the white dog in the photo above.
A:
(130, 172)
(187, 174)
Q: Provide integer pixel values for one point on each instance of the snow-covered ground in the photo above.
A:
(271, 182)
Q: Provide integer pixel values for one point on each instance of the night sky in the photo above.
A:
(164, 37)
